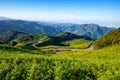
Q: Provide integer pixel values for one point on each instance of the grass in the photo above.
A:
(78, 43)
(102, 64)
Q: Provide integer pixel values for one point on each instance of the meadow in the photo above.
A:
(26, 64)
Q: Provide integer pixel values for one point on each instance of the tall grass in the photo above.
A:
(18, 64)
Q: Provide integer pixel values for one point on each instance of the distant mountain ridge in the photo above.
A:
(25, 26)
(93, 31)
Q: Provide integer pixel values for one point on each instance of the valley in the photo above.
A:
(61, 55)
(59, 39)
(93, 31)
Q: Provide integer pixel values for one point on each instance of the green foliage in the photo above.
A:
(9, 36)
(21, 37)
(112, 37)
(17, 64)
(78, 43)
(27, 37)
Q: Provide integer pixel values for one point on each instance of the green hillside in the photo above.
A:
(21, 37)
(17, 64)
(78, 43)
(39, 64)
(63, 39)
(65, 36)
(9, 36)
(60, 39)
(112, 37)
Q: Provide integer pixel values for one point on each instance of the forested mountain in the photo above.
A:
(89, 30)
(66, 36)
(9, 36)
(20, 37)
(112, 37)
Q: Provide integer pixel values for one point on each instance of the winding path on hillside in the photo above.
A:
(90, 47)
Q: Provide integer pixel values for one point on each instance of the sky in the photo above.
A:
(103, 12)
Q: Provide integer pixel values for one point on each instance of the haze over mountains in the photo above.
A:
(93, 31)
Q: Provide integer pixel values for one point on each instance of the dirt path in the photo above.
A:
(68, 49)
(31, 46)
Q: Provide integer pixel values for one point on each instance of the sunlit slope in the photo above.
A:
(111, 38)
(102, 64)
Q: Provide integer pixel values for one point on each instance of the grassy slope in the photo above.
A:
(100, 64)
(112, 37)
(78, 43)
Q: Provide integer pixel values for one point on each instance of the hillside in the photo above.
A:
(45, 40)
(112, 37)
(59, 39)
(9, 36)
(20, 62)
(89, 30)
(66, 36)
(17, 64)
(21, 37)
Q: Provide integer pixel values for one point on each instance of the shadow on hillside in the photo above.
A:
(49, 42)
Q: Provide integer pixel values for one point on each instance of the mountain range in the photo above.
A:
(20, 37)
(93, 31)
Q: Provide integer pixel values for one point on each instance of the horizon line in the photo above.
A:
(59, 22)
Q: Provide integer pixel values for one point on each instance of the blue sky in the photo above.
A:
(103, 12)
